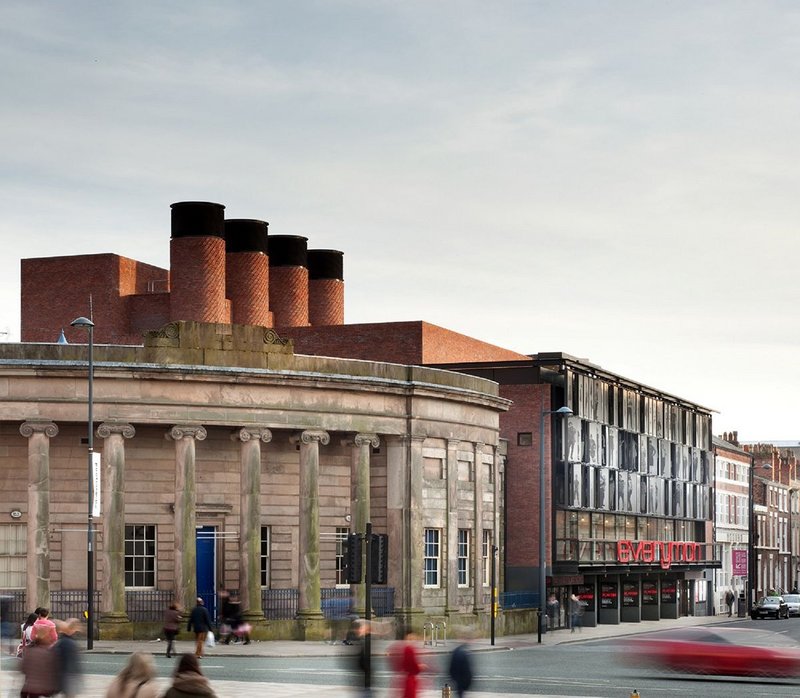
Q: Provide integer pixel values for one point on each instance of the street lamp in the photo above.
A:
(563, 411)
(88, 325)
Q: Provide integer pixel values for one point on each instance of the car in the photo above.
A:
(716, 652)
(793, 602)
(770, 606)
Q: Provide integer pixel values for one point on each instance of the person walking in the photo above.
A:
(69, 663)
(576, 612)
(172, 624)
(408, 667)
(460, 669)
(39, 666)
(200, 622)
(729, 599)
(44, 621)
(136, 680)
(188, 681)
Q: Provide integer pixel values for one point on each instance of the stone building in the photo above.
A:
(220, 433)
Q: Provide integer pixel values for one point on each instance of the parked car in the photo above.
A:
(770, 606)
(793, 602)
(717, 652)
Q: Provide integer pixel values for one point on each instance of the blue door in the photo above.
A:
(207, 567)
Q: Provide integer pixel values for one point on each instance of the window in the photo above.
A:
(463, 557)
(432, 557)
(13, 546)
(486, 553)
(140, 555)
(341, 537)
(266, 549)
(524, 438)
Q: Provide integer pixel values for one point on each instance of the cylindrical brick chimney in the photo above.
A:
(247, 271)
(325, 287)
(288, 280)
(197, 262)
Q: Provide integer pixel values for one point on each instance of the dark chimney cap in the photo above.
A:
(198, 219)
(325, 264)
(288, 251)
(246, 235)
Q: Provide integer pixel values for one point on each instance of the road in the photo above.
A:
(593, 668)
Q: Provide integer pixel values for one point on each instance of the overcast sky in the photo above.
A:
(614, 180)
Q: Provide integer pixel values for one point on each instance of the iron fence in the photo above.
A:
(72, 604)
(13, 608)
(279, 604)
(147, 605)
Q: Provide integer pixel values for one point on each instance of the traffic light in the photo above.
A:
(351, 549)
(379, 558)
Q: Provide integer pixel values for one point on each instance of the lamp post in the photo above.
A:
(87, 324)
(563, 411)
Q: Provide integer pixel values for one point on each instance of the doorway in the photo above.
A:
(206, 567)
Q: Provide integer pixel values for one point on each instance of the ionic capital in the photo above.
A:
(106, 429)
(188, 431)
(312, 436)
(252, 433)
(367, 440)
(38, 426)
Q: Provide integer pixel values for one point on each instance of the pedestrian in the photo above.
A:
(408, 667)
(188, 680)
(576, 612)
(136, 680)
(27, 634)
(39, 666)
(553, 610)
(238, 628)
(200, 622)
(729, 598)
(172, 624)
(460, 669)
(69, 663)
(44, 621)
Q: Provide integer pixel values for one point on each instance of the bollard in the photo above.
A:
(635, 694)
(447, 691)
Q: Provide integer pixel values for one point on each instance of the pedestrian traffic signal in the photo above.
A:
(379, 558)
(351, 551)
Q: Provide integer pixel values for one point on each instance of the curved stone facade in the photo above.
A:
(222, 429)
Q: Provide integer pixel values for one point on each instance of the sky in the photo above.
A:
(614, 180)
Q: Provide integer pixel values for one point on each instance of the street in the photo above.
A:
(594, 668)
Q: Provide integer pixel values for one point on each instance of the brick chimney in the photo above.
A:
(247, 271)
(325, 287)
(197, 262)
(288, 280)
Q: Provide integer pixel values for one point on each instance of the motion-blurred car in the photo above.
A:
(770, 607)
(793, 602)
(719, 652)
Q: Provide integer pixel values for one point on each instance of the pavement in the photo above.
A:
(95, 685)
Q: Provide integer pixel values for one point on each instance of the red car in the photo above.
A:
(729, 652)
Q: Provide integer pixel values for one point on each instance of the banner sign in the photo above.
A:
(739, 563)
(663, 552)
(97, 485)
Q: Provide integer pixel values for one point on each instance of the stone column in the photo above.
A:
(309, 601)
(360, 501)
(450, 544)
(38, 433)
(477, 533)
(114, 621)
(251, 439)
(405, 525)
(185, 437)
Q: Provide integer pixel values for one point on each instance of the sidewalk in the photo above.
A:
(288, 648)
